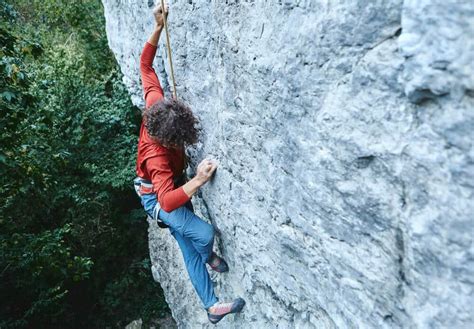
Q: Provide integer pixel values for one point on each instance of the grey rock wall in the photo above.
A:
(344, 130)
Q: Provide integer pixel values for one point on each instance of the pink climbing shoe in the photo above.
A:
(216, 312)
(217, 263)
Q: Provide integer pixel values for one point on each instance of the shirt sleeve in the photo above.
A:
(151, 84)
(162, 179)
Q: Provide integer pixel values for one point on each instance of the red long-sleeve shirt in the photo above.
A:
(154, 161)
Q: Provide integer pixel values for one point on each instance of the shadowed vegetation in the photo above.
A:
(72, 232)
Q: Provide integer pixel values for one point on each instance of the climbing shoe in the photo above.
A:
(217, 263)
(216, 312)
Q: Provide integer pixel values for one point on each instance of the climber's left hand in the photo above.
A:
(158, 13)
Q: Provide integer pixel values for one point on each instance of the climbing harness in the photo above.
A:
(168, 46)
(144, 190)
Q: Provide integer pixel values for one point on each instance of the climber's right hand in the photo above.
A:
(204, 173)
(205, 170)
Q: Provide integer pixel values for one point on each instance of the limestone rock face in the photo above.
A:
(344, 131)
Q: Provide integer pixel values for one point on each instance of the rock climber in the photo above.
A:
(168, 127)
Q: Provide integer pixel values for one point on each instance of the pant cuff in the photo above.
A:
(215, 300)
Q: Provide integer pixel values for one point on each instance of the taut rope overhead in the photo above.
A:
(168, 46)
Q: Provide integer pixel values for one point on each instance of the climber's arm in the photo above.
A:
(151, 84)
(204, 172)
(155, 35)
(161, 175)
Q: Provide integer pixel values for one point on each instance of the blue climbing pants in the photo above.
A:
(195, 238)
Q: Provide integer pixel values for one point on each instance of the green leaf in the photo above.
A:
(7, 95)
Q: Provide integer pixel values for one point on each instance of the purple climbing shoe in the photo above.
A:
(216, 312)
(217, 263)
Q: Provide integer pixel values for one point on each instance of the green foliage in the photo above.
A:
(74, 246)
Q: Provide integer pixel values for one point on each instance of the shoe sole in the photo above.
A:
(221, 268)
(238, 306)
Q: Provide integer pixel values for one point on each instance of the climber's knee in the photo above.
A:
(207, 237)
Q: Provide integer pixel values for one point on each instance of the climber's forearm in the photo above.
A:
(155, 36)
(204, 173)
(191, 187)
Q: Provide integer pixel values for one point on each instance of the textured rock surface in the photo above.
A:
(344, 135)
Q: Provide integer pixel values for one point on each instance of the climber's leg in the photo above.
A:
(196, 269)
(186, 223)
(203, 239)
(182, 219)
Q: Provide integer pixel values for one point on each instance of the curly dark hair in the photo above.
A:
(171, 123)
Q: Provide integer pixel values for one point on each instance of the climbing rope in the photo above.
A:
(168, 46)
